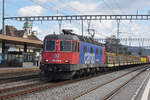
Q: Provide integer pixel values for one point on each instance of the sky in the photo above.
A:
(103, 29)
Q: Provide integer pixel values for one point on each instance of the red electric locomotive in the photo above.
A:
(66, 55)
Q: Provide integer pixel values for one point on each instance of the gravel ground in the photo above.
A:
(61, 92)
(130, 91)
(99, 93)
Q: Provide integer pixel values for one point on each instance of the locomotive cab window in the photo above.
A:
(65, 46)
(78, 47)
(74, 46)
(101, 52)
(50, 45)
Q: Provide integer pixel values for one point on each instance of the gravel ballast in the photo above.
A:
(62, 92)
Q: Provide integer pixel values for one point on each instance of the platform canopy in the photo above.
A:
(20, 41)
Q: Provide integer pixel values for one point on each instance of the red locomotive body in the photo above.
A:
(60, 56)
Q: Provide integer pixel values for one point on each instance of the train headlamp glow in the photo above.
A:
(66, 61)
(46, 60)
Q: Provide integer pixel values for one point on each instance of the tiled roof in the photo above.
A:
(12, 31)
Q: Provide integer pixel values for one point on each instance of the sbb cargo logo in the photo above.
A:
(89, 58)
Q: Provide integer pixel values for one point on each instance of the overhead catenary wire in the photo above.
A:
(49, 7)
(68, 6)
(74, 9)
(121, 10)
(116, 3)
(88, 21)
(77, 11)
(109, 7)
(57, 9)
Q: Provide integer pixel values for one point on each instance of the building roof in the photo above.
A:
(12, 31)
(14, 36)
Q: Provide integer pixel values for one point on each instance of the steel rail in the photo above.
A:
(40, 88)
(121, 86)
(21, 87)
(98, 86)
(18, 78)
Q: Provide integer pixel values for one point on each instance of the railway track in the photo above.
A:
(18, 74)
(8, 93)
(18, 78)
(36, 87)
(109, 95)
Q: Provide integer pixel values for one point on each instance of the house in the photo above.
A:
(15, 51)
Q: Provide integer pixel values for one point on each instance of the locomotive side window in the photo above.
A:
(65, 46)
(101, 52)
(78, 47)
(50, 45)
(96, 51)
(74, 46)
(84, 49)
(91, 50)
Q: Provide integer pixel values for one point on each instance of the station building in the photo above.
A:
(19, 48)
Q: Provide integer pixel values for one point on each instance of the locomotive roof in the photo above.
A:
(62, 36)
(68, 35)
(73, 37)
(90, 40)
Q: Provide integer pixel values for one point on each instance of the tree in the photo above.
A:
(140, 51)
(112, 44)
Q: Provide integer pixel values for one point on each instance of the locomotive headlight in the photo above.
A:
(66, 61)
(46, 60)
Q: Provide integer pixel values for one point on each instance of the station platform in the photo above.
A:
(145, 89)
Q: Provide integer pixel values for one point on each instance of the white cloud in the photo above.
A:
(41, 33)
(126, 6)
(30, 11)
(38, 32)
(81, 7)
(97, 7)
(105, 28)
(36, 29)
(44, 1)
(40, 1)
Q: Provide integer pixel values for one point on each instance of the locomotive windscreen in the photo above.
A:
(65, 46)
(50, 45)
